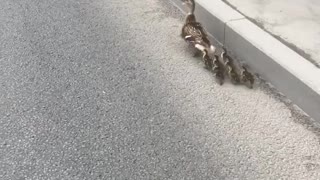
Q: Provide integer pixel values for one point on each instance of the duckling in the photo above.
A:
(247, 78)
(218, 70)
(192, 31)
(230, 67)
(212, 64)
(208, 62)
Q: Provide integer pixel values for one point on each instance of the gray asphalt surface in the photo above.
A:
(106, 89)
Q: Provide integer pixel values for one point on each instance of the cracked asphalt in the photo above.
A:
(106, 89)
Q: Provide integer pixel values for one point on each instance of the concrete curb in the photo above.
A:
(289, 72)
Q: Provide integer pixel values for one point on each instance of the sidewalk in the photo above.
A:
(295, 23)
(277, 40)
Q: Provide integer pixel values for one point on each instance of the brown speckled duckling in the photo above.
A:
(213, 65)
(230, 67)
(247, 78)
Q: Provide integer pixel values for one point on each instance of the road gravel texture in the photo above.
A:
(106, 89)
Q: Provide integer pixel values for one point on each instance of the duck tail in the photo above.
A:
(193, 6)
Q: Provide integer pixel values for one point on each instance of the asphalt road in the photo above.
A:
(106, 89)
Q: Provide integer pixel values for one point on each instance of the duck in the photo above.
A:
(190, 18)
(230, 67)
(192, 31)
